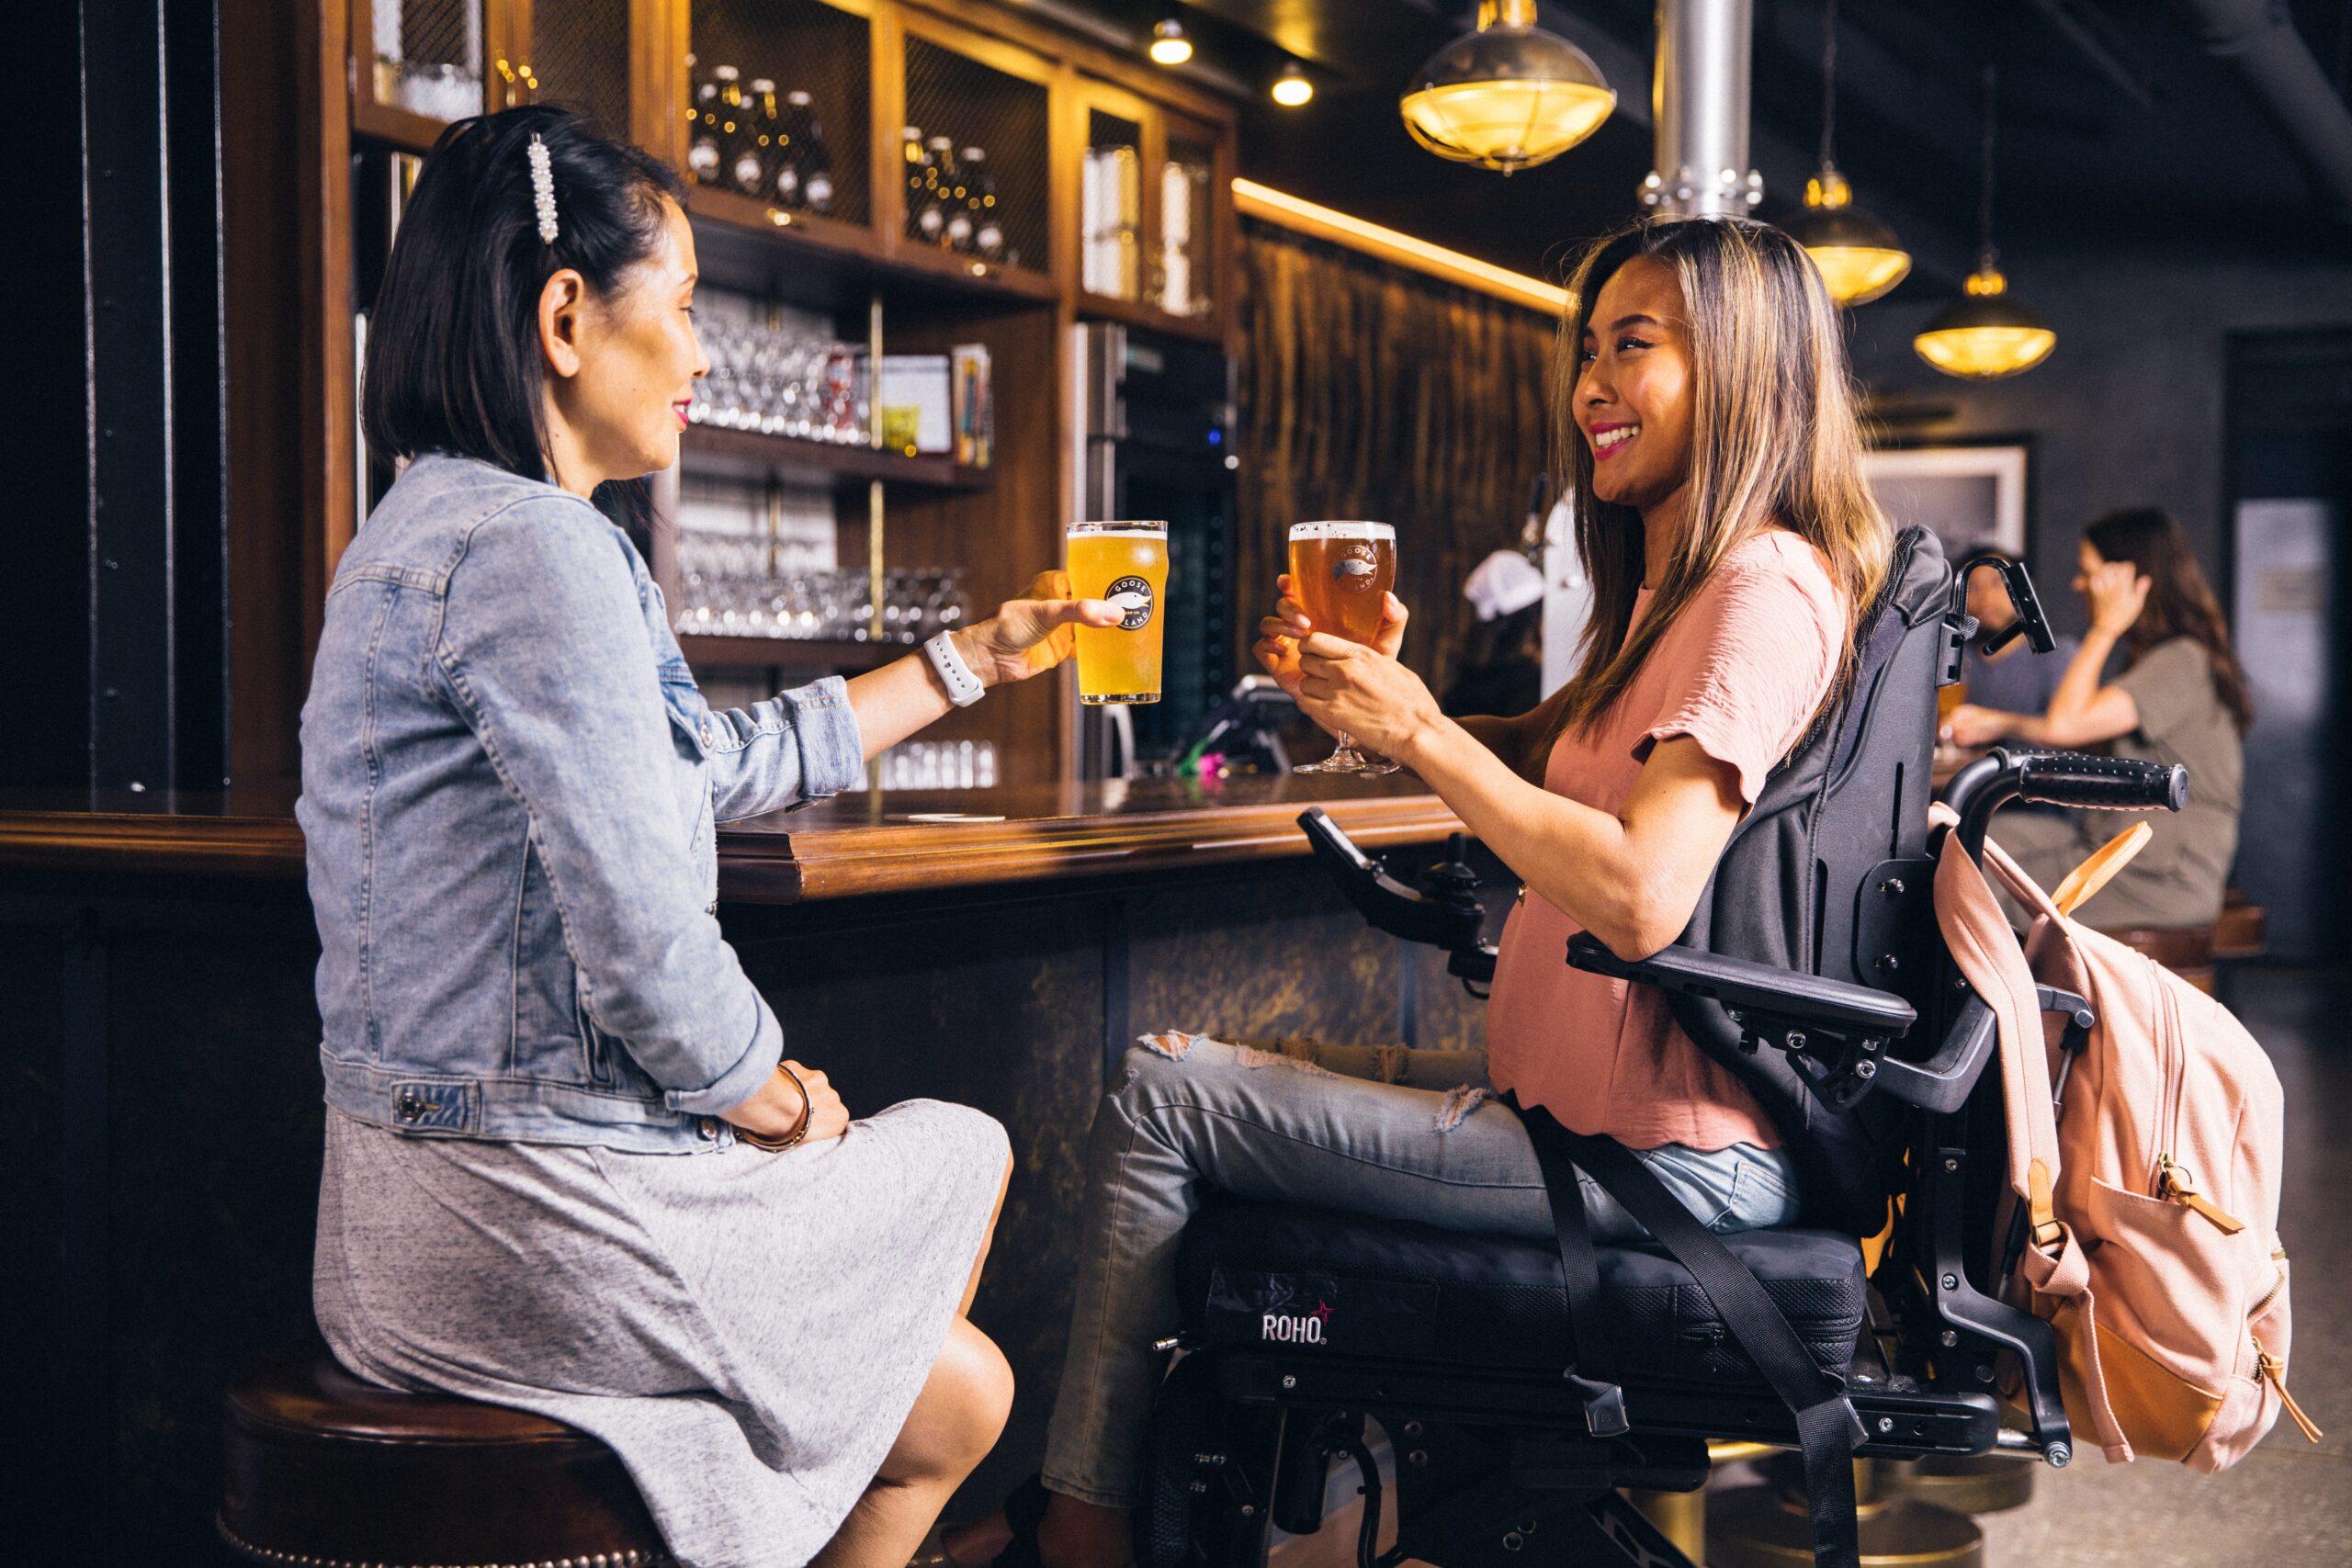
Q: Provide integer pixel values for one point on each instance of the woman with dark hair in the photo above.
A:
(568, 1167)
(2182, 698)
(1706, 422)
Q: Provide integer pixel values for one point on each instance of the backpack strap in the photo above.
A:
(1827, 1429)
(1985, 951)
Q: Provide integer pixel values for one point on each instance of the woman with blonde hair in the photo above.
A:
(1702, 400)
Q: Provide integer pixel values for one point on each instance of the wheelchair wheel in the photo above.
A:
(1206, 1476)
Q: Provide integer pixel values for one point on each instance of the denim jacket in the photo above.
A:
(510, 785)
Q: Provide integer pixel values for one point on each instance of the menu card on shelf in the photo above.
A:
(912, 394)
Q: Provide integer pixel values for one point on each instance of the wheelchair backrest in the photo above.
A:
(1829, 875)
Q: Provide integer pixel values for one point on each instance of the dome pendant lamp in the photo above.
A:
(1506, 96)
(1858, 256)
(1987, 336)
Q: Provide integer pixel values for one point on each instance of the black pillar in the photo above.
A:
(119, 666)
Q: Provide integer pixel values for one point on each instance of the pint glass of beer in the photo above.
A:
(1341, 572)
(1128, 564)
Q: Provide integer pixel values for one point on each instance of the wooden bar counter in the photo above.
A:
(859, 843)
(999, 948)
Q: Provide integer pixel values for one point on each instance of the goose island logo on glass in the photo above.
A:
(1128, 564)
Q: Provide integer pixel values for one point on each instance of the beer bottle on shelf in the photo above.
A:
(812, 159)
(917, 164)
(703, 156)
(955, 195)
(755, 140)
(727, 121)
(979, 202)
(931, 218)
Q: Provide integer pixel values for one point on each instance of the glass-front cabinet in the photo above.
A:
(422, 63)
(1148, 211)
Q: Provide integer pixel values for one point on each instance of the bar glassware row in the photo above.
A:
(936, 764)
(731, 585)
(782, 382)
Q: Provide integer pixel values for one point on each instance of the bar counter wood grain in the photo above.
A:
(854, 845)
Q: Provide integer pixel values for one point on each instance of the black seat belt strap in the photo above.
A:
(1593, 1371)
(1827, 1429)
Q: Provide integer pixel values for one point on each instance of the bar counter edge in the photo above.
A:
(855, 844)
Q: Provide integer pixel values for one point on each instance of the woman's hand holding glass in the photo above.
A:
(776, 1109)
(1031, 635)
(1344, 686)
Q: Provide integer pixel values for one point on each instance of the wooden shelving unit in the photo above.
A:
(850, 462)
(982, 72)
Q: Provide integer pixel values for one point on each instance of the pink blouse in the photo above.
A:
(1742, 673)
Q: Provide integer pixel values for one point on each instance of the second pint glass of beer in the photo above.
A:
(1128, 564)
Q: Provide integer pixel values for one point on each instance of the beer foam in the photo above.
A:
(1374, 532)
(1118, 531)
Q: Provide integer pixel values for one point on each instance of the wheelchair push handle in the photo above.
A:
(2111, 784)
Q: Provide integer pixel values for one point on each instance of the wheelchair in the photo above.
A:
(1517, 1399)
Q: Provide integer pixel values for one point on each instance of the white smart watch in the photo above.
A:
(964, 688)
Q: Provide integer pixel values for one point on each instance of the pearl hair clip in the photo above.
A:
(543, 189)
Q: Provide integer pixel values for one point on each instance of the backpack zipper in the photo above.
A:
(2278, 1285)
(2174, 1183)
(2175, 1073)
(2275, 1374)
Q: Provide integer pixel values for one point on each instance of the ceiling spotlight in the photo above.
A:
(1508, 96)
(1169, 44)
(1292, 88)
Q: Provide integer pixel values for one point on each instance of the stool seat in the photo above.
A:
(2243, 931)
(324, 1470)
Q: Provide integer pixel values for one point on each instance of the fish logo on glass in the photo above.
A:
(1132, 595)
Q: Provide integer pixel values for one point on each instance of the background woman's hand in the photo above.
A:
(1278, 634)
(1031, 635)
(776, 1109)
(1970, 726)
(2116, 591)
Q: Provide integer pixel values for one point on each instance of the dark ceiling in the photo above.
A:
(2113, 122)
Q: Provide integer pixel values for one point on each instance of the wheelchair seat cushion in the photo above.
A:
(1284, 1276)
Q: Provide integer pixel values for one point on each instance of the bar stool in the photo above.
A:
(326, 1470)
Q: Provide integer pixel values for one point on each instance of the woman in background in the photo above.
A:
(2182, 698)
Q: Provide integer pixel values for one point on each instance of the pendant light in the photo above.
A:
(1987, 336)
(1509, 95)
(1292, 89)
(1858, 256)
(1169, 44)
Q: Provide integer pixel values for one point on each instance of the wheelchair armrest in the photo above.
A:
(1757, 991)
(1944, 1082)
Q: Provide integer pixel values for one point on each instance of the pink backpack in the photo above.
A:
(2151, 1194)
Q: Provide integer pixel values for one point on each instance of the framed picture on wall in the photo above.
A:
(1968, 495)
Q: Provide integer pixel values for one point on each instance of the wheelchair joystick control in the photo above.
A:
(1452, 880)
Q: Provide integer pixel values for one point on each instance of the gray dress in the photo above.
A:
(747, 1329)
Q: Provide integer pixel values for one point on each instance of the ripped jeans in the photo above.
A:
(1260, 1125)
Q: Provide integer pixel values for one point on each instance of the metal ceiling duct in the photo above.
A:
(2256, 39)
(1699, 101)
